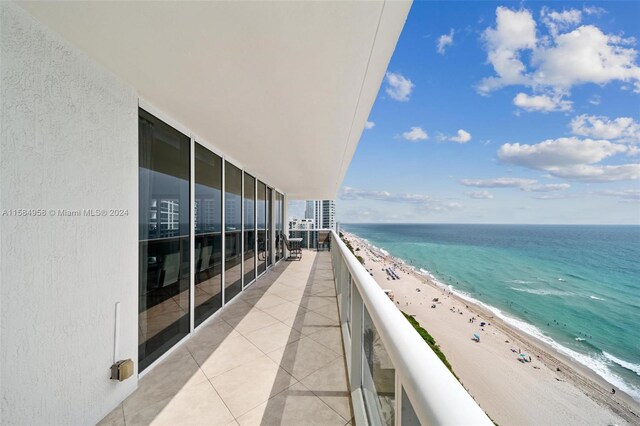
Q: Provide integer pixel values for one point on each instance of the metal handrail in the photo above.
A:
(435, 394)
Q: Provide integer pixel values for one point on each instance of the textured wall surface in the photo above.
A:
(68, 141)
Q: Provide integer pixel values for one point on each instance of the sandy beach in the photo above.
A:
(551, 389)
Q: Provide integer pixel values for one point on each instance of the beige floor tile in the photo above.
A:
(209, 336)
(303, 357)
(330, 385)
(330, 337)
(295, 406)
(231, 353)
(330, 311)
(198, 405)
(273, 337)
(254, 320)
(246, 387)
(309, 322)
(237, 308)
(315, 302)
(178, 371)
(284, 311)
(263, 301)
(114, 418)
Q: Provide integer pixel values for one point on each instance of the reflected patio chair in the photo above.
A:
(294, 247)
(323, 241)
(170, 269)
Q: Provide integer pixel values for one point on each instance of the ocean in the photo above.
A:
(574, 287)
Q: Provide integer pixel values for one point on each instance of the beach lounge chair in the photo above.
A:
(294, 247)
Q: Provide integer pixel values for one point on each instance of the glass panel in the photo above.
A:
(262, 226)
(164, 237)
(208, 233)
(378, 376)
(278, 215)
(233, 234)
(269, 226)
(249, 228)
(409, 416)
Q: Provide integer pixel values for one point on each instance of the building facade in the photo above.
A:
(323, 213)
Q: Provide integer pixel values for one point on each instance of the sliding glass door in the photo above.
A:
(164, 264)
(233, 231)
(269, 227)
(261, 215)
(249, 229)
(208, 234)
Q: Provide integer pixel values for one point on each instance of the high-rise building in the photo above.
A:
(323, 212)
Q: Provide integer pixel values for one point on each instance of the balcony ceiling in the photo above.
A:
(281, 88)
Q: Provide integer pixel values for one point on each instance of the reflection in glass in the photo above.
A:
(269, 227)
(233, 231)
(208, 233)
(378, 376)
(164, 238)
(279, 229)
(262, 224)
(249, 229)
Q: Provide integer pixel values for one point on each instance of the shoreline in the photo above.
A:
(576, 387)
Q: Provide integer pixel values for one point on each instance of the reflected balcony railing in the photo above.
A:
(394, 377)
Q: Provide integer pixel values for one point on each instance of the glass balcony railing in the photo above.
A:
(316, 239)
(394, 377)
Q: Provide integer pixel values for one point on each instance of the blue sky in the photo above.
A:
(522, 112)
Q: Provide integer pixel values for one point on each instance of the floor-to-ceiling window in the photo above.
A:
(164, 262)
(269, 226)
(233, 231)
(279, 227)
(261, 216)
(208, 234)
(249, 228)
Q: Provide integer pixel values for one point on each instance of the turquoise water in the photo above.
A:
(575, 287)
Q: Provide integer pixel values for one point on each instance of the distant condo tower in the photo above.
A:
(323, 212)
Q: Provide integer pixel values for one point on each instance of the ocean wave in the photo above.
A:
(541, 292)
(596, 298)
(561, 279)
(597, 364)
(519, 282)
(622, 363)
(383, 251)
(580, 339)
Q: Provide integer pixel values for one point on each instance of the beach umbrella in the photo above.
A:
(523, 355)
(476, 336)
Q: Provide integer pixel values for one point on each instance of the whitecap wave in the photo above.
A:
(519, 282)
(541, 292)
(622, 363)
(596, 298)
(560, 279)
(383, 251)
(580, 339)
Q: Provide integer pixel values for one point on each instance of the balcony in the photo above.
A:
(314, 341)
(272, 356)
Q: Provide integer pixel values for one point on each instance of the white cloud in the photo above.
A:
(595, 100)
(398, 86)
(554, 153)
(423, 202)
(480, 195)
(415, 134)
(557, 21)
(549, 187)
(624, 129)
(502, 182)
(445, 40)
(542, 103)
(558, 61)
(624, 194)
(369, 125)
(514, 31)
(462, 137)
(589, 173)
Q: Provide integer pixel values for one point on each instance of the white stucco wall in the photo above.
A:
(69, 140)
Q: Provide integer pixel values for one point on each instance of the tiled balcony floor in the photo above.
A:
(274, 356)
